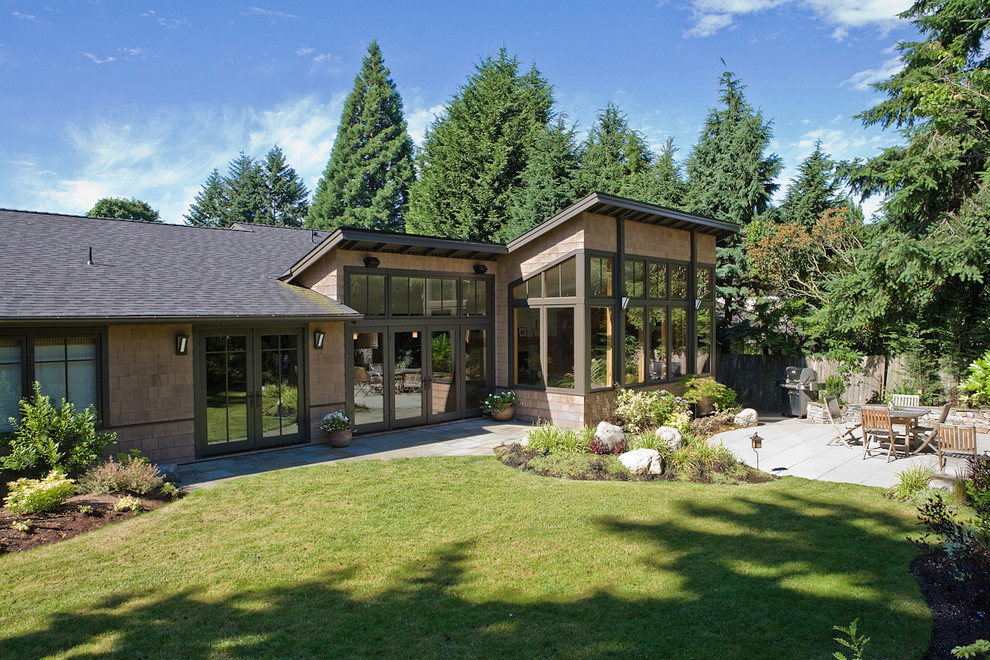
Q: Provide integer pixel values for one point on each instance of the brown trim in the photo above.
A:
(142, 424)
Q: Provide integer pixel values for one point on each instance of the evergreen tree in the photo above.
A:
(209, 207)
(612, 154)
(813, 191)
(730, 179)
(285, 195)
(661, 184)
(245, 190)
(474, 155)
(366, 181)
(548, 182)
(128, 209)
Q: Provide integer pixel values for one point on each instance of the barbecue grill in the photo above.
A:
(798, 389)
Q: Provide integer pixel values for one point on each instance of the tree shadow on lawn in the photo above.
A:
(750, 579)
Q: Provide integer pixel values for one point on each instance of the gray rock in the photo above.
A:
(639, 461)
(610, 436)
(671, 436)
(747, 417)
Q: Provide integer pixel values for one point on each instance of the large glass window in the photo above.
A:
(441, 298)
(704, 281)
(560, 347)
(678, 282)
(367, 294)
(635, 347)
(600, 366)
(531, 288)
(678, 342)
(279, 385)
(369, 377)
(11, 380)
(66, 369)
(600, 276)
(475, 294)
(657, 283)
(635, 273)
(528, 368)
(658, 343)
(476, 367)
(562, 279)
(705, 350)
(226, 389)
(408, 296)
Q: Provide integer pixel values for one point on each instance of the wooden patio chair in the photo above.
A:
(929, 434)
(877, 428)
(906, 400)
(957, 441)
(844, 431)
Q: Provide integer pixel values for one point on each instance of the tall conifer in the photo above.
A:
(285, 195)
(366, 182)
(814, 190)
(612, 154)
(662, 184)
(474, 154)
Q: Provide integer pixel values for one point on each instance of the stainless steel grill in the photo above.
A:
(798, 389)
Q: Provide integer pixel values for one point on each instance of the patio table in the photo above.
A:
(907, 416)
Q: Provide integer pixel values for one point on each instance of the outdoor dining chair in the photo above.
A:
(955, 441)
(844, 431)
(878, 428)
(909, 400)
(931, 433)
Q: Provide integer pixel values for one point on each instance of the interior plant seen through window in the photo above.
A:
(600, 365)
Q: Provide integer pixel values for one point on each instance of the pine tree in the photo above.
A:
(612, 154)
(285, 195)
(813, 191)
(549, 181)
(245, 190)
(209, 207)
(366, 181)
(661, 184)
(730, 179)
(474, 155)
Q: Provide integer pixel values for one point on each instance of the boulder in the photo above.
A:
(671, 436)
(656, 466)
(747, 417)
(610, 437)
(639, 461)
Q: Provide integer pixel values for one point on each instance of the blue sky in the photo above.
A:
(139, 99)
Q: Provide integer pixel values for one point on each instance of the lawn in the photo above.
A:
(458, 557)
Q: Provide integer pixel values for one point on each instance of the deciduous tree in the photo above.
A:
(128, 209)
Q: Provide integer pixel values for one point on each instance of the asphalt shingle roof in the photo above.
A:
(150, 270)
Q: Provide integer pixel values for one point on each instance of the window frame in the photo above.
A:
(426, 276)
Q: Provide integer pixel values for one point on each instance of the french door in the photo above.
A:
(248, 390)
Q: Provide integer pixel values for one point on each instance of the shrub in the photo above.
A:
(130, 475)
(127, 503)
(170, 489)
(54, 438)
(643, 410)
(598, 448)
(967, 545)
(550, 439)
(696, 389)
(977, 383)
(39, 495)
(22, 525)
(911, 482)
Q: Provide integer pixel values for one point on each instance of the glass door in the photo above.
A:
(368, 372)
(407, 377)
(441, 378)
(248, 391)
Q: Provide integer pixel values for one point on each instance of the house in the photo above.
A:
(196, 342)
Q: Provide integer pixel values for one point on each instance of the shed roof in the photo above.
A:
(151, 271)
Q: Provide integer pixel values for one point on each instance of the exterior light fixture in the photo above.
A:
(415, 335)
(371, 262)
(697, 304)
(355, 336)
(182, 344)
(318, 337)
(757, 443)
(480, 269)
(625, 302)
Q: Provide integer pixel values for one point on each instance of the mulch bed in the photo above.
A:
(960, 607)
(67, 521)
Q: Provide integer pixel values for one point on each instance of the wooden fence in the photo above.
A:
(756, 378)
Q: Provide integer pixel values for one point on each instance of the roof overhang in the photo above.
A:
(368, 240)
(628, 209)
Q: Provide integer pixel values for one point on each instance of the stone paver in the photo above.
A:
(799, 448)
(790, 447)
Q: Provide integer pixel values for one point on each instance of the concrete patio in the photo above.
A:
(800, 448)
(790, 447)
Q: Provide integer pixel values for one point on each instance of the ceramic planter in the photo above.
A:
(505, 414)
(339, 439)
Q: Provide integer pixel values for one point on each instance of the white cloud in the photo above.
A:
(164, 158)
(327, 62)
(710, 16)
(172, 23)
(132, 51)
(305, 50)
(25, 17)
(98, 60)
(419, 119)
(258, 11)
(863, 80)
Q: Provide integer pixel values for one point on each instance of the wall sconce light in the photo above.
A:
(371, 262)
(318, 337)
(697, 304)
(355, 336)
(415, 335)
(182, 344)
(480, 269)
(757, 443)
(625, 302)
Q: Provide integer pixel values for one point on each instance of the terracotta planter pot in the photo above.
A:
(339, 439)
(505, 414)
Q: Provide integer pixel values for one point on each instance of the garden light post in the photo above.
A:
(757, 443)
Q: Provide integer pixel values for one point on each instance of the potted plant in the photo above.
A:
(500, 405)
(337, 426)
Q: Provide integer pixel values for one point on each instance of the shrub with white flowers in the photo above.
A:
(334, 422)
(499, 401)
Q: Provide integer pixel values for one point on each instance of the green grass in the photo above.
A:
(458, 557)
